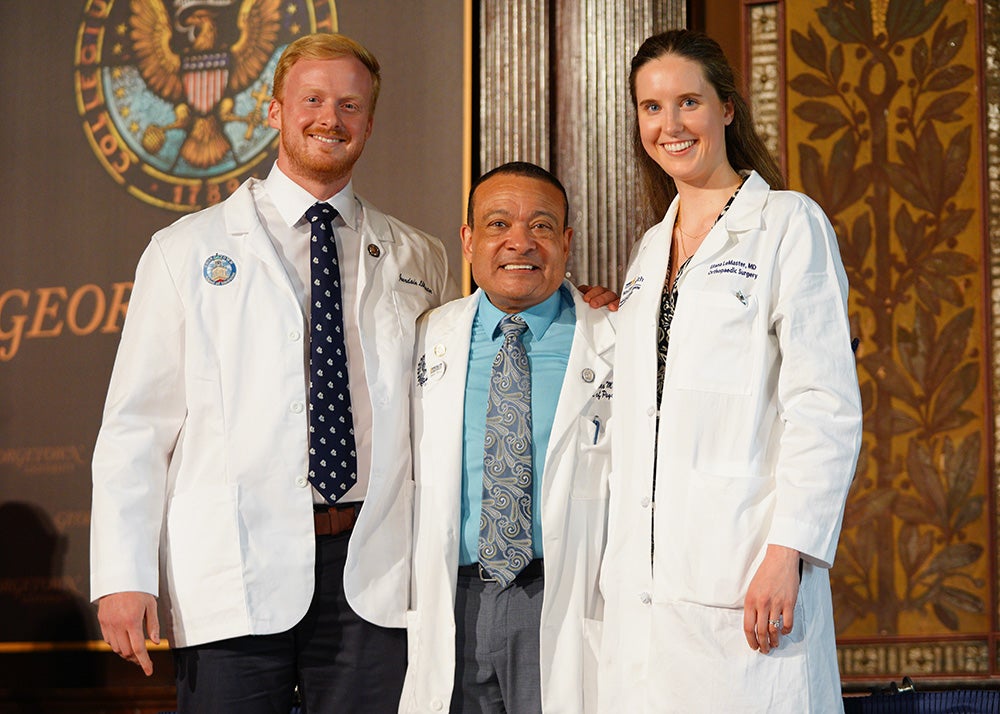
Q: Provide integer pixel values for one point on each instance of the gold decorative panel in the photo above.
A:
(991, 76)
(883, 129)
(764, 81)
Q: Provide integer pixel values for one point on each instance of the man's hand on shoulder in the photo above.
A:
(599, 296)
(125, 618)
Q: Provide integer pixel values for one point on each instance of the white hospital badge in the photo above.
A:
(436, 371)
(219, 269)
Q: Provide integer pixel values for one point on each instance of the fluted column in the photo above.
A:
(514, 100)
(554, 90)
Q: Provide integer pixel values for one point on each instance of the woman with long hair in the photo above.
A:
(737, 410)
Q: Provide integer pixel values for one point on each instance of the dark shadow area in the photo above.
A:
(35, 603)
(48, 627)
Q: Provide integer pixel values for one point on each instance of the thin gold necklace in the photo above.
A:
(686, 236)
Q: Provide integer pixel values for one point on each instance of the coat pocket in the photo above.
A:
(203, 560)
(725, 524)
(590, 477)
(712, 342)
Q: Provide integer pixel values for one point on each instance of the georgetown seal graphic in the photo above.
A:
(219, 269)
(174, 93)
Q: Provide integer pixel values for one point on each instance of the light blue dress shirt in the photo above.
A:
(547, 342)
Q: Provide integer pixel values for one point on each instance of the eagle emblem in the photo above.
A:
(174, 93)
(201, 77)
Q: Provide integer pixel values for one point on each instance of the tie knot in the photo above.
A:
(513, 325)
(320, 212)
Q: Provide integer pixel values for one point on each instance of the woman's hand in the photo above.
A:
(769, 607)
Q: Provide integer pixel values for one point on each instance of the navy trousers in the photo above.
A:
(339, 662)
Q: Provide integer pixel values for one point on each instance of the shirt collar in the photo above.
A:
(292, 200)
(538, 317)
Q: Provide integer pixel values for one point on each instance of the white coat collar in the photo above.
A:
(595, 327)
(747, 211)
(594, 334)
(239, 210)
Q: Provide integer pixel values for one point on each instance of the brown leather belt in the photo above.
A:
(334, 520)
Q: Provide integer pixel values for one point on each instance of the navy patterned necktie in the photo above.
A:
(333, 461)
(505, 522)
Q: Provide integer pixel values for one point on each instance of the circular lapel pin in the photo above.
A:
(219, 269)
(440, 350)
(587, 375)
(373, 250)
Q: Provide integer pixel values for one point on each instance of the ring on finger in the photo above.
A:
(775, 623)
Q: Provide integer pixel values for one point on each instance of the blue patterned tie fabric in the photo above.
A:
(505, 522)
(333, 461)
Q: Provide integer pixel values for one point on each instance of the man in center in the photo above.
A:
(511, 409)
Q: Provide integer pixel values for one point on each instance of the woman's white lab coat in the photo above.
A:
(758, 438)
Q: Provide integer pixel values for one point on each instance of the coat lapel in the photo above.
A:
(588, 367)
(375, 231)
(441, 373)
(746, 213)
(242, 221)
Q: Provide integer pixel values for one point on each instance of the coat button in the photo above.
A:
(645, 599)
(294, 336)
(297, 407)
(301, 482)
(651, 411)
(437, 705)
(645, 501)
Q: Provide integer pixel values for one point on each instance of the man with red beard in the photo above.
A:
(258, 399)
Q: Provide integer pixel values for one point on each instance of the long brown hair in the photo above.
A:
(744, 147)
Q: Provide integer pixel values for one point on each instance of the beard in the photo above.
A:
(317, 166)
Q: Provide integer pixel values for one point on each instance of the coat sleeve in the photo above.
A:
(819, 402)
(143, 416)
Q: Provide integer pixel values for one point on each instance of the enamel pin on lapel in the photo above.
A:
(219, 269)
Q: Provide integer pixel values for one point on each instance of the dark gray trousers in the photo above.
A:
(496, 646)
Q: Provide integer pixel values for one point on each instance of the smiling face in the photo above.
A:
(682, 121)
(519, 244)
(325, 118)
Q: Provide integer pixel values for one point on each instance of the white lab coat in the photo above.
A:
(200, 465)
(759, 434)
(574, 511)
